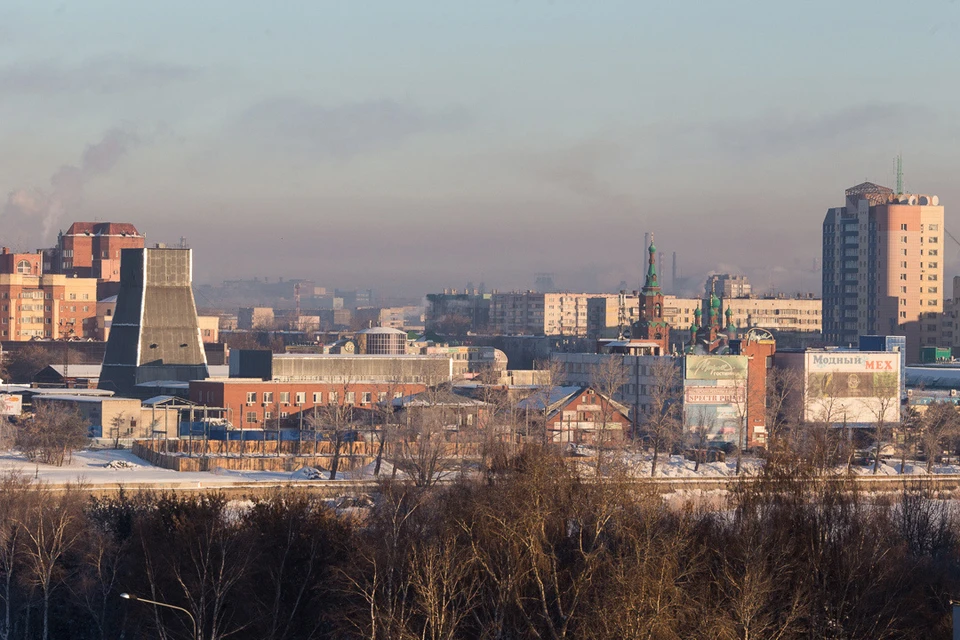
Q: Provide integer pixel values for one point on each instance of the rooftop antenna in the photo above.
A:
(899, 174)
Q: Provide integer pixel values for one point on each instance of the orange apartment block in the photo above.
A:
(34, 305)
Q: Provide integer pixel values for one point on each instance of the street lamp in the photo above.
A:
(133, 598)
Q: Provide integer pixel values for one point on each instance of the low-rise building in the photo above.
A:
(577, 415)
(115, 417)
(254, 403)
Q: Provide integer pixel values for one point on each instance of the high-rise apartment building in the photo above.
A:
(92, 250)
(725, 285)
(883, 267)
(35, 305)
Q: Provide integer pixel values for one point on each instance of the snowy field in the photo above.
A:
(119, 466)
(112, 467)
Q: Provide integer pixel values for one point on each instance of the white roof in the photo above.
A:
(66, 397)
(389, 330)
(77, 370)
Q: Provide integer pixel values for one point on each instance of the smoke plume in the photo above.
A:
(31, 214)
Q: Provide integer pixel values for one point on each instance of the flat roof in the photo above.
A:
(72, 398)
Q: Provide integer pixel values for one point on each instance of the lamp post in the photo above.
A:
(193, 621)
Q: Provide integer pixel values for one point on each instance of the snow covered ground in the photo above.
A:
(111, 467)
(120, 466)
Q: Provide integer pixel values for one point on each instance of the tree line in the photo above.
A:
(531, 550)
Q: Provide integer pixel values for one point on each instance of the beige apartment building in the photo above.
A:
(800, 314)
(548, 314)
(775, 313)
(883, 267)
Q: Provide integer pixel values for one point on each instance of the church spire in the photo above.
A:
(651, 281)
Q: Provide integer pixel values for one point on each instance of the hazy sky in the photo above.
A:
(419, 145)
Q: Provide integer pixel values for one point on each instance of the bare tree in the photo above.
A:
(335, 420)
(608, 377)
(445, 585)
(740, 405)
(14, 489)
(939, 423)
(196, 554)
(53, 525)
(822, 439)
(549, 375)
(704, 424)
(116, 428)
(784, 395)
(662, 420)
(423, 452)
(53, 433)
(886, 392)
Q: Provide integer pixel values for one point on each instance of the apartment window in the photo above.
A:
(931, 303)
(267, 415)
(933, 252)
(332, 397)
(903, 314)
(268, 397)
(349, 397)
(317, 397)
(903, 252)
(932, 265)
(931, 289)
(251, 417)
(382, 396)
(284, 414)
(73, 296)
(903, 239)
(301, 397)
(251, 397)
(397, 395)
(933, 240)
(903, 227)
(934, 227)
(86, 296)
(932, 276)
(903, 289)
(24, 267)
(903, 265)
(365, 397)
(903, 276)
(285, 397)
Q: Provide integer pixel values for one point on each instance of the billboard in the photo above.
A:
(856, 388)
(715, 395)
(11, 405)
(715, 368)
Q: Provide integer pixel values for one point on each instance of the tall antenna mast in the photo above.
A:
(899, 174)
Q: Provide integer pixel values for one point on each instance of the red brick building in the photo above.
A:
(92, 250)
(579, 415)
(252, 402)
(36, 305)
(759, 347)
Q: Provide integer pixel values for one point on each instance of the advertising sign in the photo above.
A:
(854, 388)
(715, 395)
(715, 368)
(11, 405)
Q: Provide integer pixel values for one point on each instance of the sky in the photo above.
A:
(413, 146)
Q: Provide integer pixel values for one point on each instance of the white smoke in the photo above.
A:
(32, 212)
